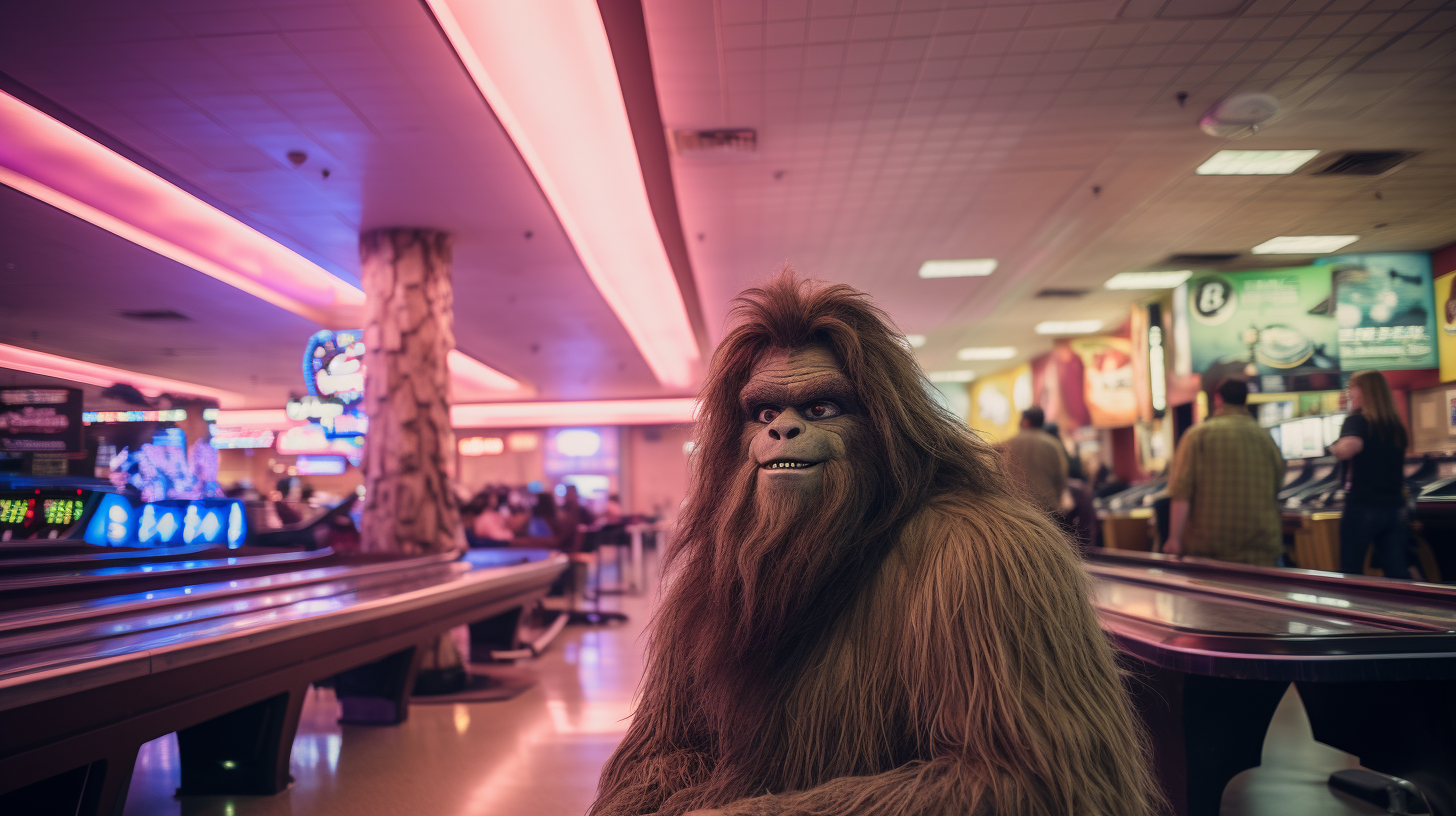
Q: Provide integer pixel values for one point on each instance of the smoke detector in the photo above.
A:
(1239, 115)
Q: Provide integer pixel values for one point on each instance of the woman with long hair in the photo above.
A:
(1372, 443)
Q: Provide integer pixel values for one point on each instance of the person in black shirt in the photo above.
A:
(1372, 444)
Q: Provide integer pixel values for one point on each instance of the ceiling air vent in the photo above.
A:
(1365, 163)
(156, 315)
(1195, 260)
(731, 142)
(1061, 293)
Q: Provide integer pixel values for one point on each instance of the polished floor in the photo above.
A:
(540, 753)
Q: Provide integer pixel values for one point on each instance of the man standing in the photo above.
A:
(1225, 486)
(1037, 461)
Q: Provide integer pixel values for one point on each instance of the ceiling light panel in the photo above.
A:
(1068, 326)
(986, 353)
(1148, 280)
(546, 70)
(1304, 244)
(1255, 162)
(915, 340)
(966, 268)
(960, 376)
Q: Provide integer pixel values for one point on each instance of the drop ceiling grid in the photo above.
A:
(865, 144)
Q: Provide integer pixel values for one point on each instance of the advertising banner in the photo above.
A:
(1383, 305)
(40, 420)
(1348, 313)
(1446, 331)
(1107, 380)
(1273, 321)
(997, 401)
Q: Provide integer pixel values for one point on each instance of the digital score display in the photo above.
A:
(62, 511)
(12, 511)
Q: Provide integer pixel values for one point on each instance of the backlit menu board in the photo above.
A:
(1383, 306)
(1347, 313)
(40, 420)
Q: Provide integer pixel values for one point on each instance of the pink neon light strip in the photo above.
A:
(472, 379)
(547, 71)
(64, 368)
(514, 414)
(260, 419)
(49, 161)
(591, 412)
(58, 165)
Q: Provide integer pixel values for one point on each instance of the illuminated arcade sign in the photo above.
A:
(313, 439)
(333, 370)
(482, 446)
(109, 417)
(233, 438)
(167, 523)
(333, 365)
(40, 419)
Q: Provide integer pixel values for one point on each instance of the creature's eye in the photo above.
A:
(822, 410)
(767, 415)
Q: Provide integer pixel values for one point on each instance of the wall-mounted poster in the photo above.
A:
(1383, 305)
(1348, 313)
(997, 401)
(1107, 380)
(1268, 322)
(1446, 328)
(40, 420)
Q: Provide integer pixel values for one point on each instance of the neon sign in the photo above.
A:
(333, 370)
(108, 417)
(482, 446)
(231, 438)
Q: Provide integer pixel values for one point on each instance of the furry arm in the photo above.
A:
(1016, 703)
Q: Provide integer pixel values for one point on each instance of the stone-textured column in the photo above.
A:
(409, 454)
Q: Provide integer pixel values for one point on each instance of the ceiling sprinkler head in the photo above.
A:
(1239, 115)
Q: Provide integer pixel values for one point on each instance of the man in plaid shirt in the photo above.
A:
(1225, 486)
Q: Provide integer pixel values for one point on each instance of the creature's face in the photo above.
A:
(800, 413)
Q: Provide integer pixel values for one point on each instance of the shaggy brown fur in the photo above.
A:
(914, 639)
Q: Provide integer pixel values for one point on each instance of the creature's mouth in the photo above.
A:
(787, 464)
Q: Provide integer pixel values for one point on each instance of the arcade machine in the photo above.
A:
(1434, 489)
(1126, 517)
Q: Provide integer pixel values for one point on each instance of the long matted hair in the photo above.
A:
(912, 637)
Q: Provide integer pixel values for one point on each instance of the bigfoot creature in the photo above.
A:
(862, 617)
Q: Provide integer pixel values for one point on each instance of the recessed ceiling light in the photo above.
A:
(1300, 244)
(1148, 280)
(987, 353)
(961, 376)
(1255, 162)
(1068, 326)
(967, 268)
(915, 340)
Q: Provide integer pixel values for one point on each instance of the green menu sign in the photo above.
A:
(1385, 308)
(1273, 321)
(1347, 313)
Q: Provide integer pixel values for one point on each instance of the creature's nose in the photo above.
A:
(786, 426)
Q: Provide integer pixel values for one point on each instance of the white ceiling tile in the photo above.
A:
(788, 9)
